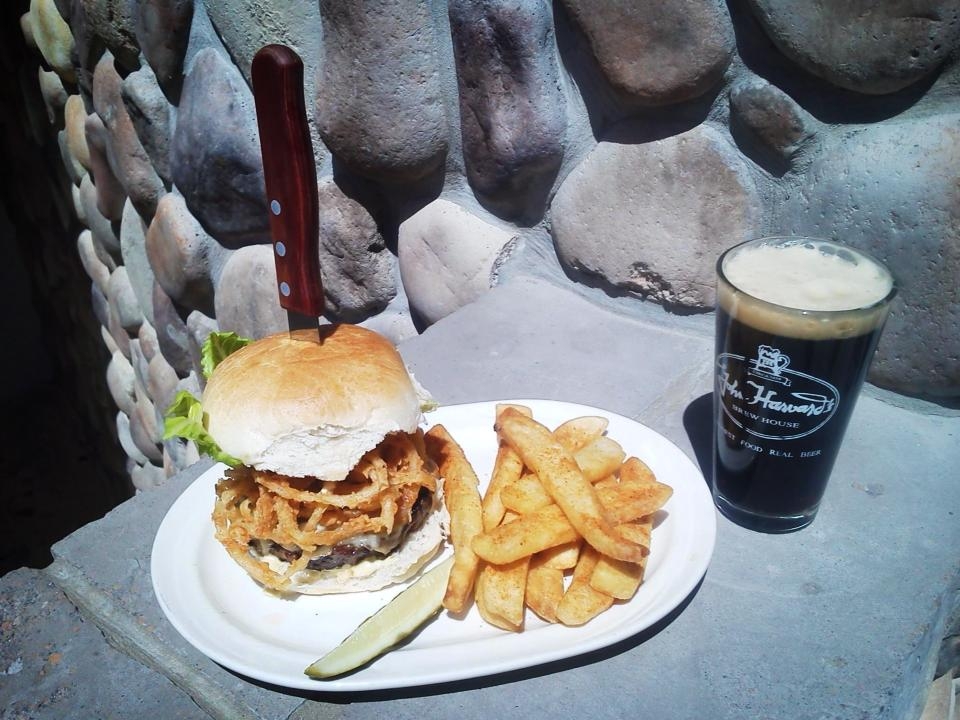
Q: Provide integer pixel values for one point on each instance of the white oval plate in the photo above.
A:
(223, 613)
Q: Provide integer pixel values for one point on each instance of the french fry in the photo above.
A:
(600, 458)
(581, 602)
(536, 531)
(560, 475)
(506, 469)
(637, 531)
(462, 498)
(548, 526)
(500, 408)
(580, 431)
(607, 482)
(500, 593)
(556, 501)
(597, 460)
(561, 557)
(585, 564)
(617, 578)
(526, 495)
(544, 589)
(628, 501)
(635, 470)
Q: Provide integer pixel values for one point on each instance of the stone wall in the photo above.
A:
(626, 143)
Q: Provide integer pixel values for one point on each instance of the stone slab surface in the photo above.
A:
(114, 555)
(529, 339)
(55, 664)
(841, 620)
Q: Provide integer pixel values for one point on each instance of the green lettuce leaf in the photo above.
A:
(184, 418)
(429, 405)
(216, 347)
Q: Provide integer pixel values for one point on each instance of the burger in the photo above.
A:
(332, 490)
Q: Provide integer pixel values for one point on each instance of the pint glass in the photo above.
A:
(798, 320)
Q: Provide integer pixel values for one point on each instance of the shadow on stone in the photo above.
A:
(826, 102)
(756, 150)
(524, 197)
(599, 97)
(594, 281)
(607, 106)
(389, 203)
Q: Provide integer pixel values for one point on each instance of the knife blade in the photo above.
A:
(290, 176)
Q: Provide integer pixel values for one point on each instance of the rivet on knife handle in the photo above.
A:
(290, 177)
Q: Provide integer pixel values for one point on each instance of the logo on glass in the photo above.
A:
(768, 400)
(770, 364)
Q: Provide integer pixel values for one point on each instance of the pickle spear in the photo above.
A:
(388, 626)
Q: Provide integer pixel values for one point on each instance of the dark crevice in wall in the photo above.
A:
(61, 463)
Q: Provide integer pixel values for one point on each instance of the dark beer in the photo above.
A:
(786, 383)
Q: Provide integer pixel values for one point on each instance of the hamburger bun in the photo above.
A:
(302, 408)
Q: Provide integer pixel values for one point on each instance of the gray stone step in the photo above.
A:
(841, 620)
(105, 568)
(55, 663)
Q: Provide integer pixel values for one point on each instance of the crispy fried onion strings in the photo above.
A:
(314, 515)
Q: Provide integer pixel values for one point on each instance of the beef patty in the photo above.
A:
(351, 553)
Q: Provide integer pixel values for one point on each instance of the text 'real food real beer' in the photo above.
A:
(798, 320)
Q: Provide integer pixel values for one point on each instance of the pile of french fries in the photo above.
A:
(563, 527)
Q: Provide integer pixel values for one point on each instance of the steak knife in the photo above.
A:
(290, 176)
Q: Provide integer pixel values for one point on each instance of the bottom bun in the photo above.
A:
(417, 550)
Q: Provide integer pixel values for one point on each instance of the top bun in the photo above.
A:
(290, 405)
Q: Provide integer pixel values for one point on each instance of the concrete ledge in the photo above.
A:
(841, 620)
(105, 569)
(55, 663)
(139, 641)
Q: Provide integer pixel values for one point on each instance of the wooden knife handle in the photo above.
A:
(290, 176)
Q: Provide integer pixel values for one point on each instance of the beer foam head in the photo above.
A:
(808, 275)
(797, 278)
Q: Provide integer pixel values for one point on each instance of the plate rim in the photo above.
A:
(366, 679)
